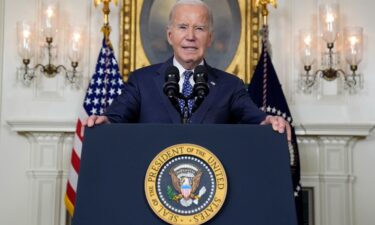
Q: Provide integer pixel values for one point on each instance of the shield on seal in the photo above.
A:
(186, 188)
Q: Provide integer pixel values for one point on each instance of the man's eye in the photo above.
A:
(200, 28)
(181, 27)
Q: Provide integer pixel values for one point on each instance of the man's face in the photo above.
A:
(189, 34)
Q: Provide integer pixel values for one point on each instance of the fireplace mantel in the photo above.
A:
(326, 154)
(335, 129)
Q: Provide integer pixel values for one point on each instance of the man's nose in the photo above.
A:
(190, 35)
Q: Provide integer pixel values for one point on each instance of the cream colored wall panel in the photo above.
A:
(335, 160)
(309, 155)
(45, 201)
(337, 205)
(2, 18)
(363, 164)
(48, 157)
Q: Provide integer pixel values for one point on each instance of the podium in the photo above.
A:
(115, 159)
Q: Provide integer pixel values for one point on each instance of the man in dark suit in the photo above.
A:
(190, 34)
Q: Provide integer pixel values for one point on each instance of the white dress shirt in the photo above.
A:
(181, 69)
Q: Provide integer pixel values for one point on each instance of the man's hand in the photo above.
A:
(95, 120)
(278, 124)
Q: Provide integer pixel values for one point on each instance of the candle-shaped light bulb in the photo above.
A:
(328, 14)
(353, 48)
(353, 40)
(353, 45)
(330, 18)
(75, 41)
(49, 18)
(26, 34)
(25, 39)
(307, 40)
(306, 46)
(75, 44)
(49, 12)
(76, 37)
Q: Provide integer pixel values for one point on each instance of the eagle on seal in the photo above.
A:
(186, 186)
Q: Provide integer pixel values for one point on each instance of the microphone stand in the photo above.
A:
(185, 111)
(185, 114)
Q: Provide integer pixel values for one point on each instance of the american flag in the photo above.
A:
(105, 85)
(266, 92)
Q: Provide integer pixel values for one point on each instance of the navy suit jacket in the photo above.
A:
(143, 100)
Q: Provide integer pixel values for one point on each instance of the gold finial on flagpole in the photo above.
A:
(106, 28)
(262, 4)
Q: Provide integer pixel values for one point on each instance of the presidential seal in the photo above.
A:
(185, 184)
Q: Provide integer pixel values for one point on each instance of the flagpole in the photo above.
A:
(262, 4)
(106, 28)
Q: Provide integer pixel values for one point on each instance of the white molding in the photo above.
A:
(26, 125)
(335, 129)
(45, 174)
(2, 19)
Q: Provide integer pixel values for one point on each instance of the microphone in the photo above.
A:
(200, 88)
(171, 87)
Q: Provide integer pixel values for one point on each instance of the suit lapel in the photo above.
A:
(213, 85)
(159, 82)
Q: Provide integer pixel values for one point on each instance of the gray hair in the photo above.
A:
(192, 2)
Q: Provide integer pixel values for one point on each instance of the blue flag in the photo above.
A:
(266, 92)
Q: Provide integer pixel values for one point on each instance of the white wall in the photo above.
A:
(285, 23)
(2, 9)
(54, 102)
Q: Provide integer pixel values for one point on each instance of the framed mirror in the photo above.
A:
(235, 48)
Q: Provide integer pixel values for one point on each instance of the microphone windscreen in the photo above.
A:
(202, 72)
(172, 70)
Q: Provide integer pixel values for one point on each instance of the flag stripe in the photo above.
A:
(71, 193)
(79, 128)
(77, 145)
(75, 161)
(73, 178)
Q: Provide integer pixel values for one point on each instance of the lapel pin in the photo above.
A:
(213, 83)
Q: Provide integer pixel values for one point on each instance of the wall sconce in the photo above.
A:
(27, 45)
(330, 60)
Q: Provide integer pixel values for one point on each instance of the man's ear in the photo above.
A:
(211, 37)
(169, 34)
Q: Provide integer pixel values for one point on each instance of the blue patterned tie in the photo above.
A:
(187, 89)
